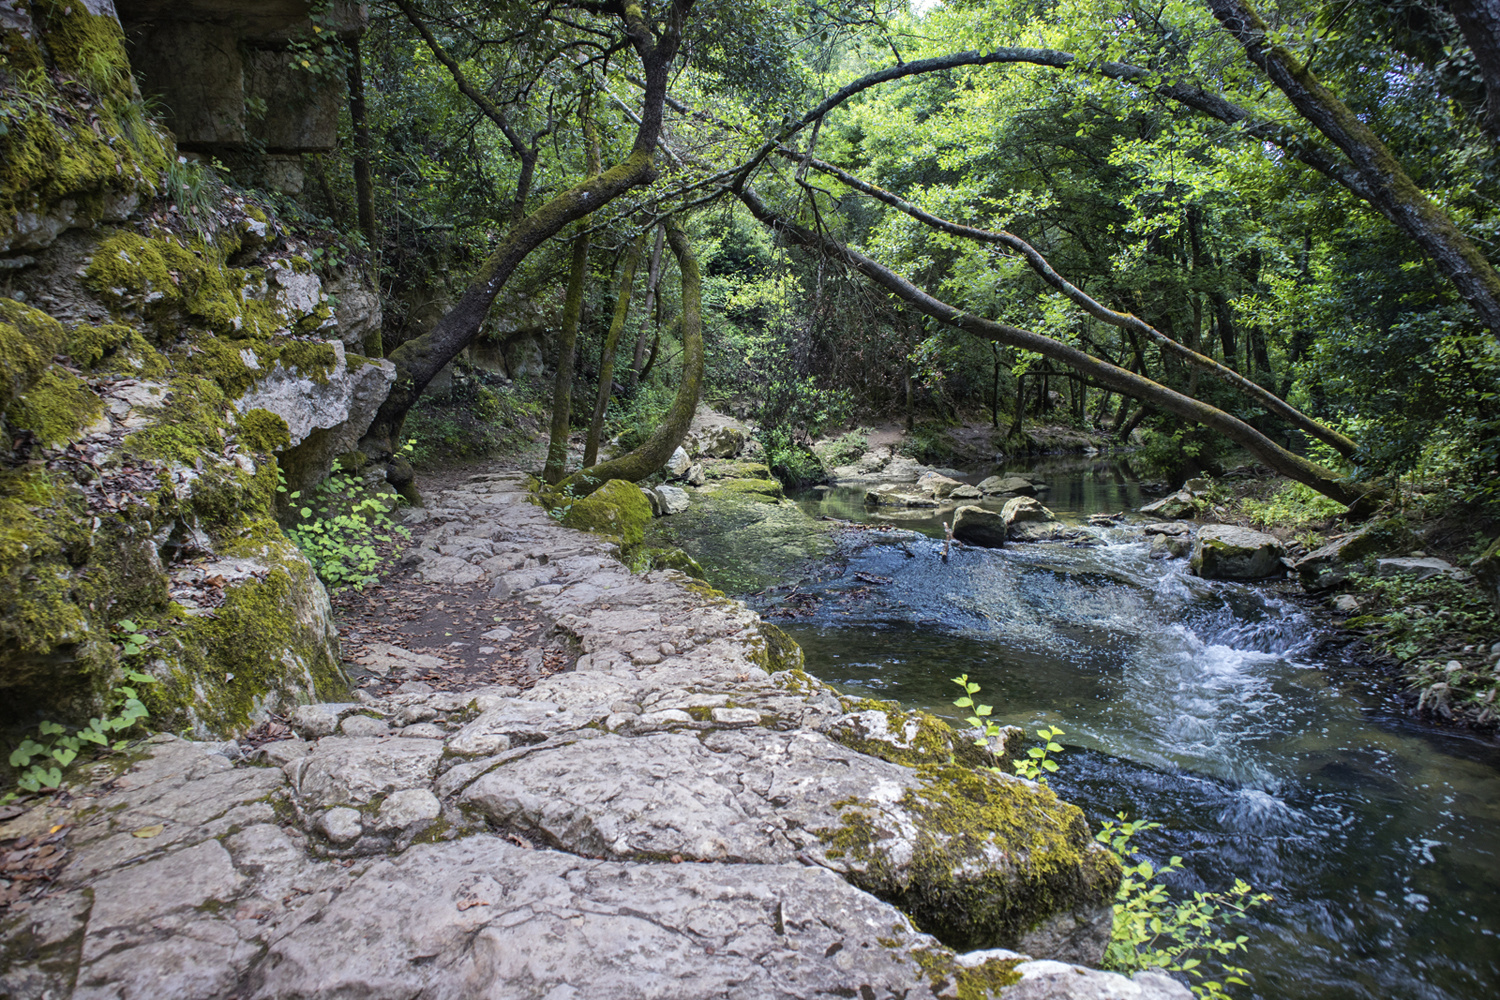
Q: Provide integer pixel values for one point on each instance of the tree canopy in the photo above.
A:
(1267, 226)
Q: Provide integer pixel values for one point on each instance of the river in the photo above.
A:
(1198, 705)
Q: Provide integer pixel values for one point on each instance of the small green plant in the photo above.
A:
(844, 449)
(1152, 932)
(194, 190)
(341, 530)
(1037, 763)
(41, 761)
(571, 495)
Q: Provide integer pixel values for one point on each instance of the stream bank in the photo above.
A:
(679, 815)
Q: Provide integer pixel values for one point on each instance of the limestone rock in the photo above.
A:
(616, 508)
(1177, 507)
(1008, 484)
(750, 795)
(1052, 980)
(326, 413)
(674, 499)
(1331, 564)
(1416, 567)
(678, 465)
(936, 485)
(696, 476)
(895, 495)
(480, 917)
(1166, 546)
(345, 770)
(408, 810)
(1027, 520)
(1226, 552)
(975, 525)
(313, 721)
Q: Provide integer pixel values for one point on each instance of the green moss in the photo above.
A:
(53, 147)
(228, 666)
(728, 469)
(912, 738)
(264, 431)
(314, 359)
(617, 508)
(977, 982)
(56, 407)
(1037, 857)
(773, 650)
(160, 277)
(667, 558)
(189, 425)
(88, 345)
(28, 340)
(88, 47)
(765, 490)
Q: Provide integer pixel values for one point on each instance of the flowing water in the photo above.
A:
(1198, 705)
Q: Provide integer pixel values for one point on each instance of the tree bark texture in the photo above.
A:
(655, 451)
(1391, 190)
(364, 185)
(1292, 466)
(1479, 20)
(607, 355)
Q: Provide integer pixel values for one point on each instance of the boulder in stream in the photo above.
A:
(1228, 552)
(1028, 520)
(1177, 507)
(1017, 485)
(976, 525)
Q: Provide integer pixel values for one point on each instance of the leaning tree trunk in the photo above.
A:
(643, 342)
(421, 358)
(1292, 466)
(653, 454)
(1390, 189)
(607, 356)
(567, 340)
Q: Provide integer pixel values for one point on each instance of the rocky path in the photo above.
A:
(668, 809)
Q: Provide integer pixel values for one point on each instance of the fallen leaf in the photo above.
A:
(147, 832)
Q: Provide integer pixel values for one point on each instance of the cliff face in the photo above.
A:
(169, 357)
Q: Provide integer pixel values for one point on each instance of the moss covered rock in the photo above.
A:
(617, 508)
(28, 340)
(1227, 552)
(744, 539)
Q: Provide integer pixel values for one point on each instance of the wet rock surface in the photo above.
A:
(666, 819)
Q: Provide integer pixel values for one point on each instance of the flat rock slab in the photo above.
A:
(753, 795)
(482, 918)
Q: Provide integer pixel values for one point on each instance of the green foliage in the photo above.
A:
(342, 530)
(41, 762)
(1294, 506)
(844, 449)
(791, 462)
(196, 192)
(1152, 932)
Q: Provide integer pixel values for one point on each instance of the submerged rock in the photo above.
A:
(1227, 552)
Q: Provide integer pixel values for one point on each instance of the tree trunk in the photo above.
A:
(1288, 464)
(1391, 190)
(364, 186)
(653, 454)
(653, 278)
(421, 358)
(607, 356)
(567, 339)
(1479, 20)
(995, 386)
(1018, 419)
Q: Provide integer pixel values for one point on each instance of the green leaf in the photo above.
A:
(51, 728)
(64, 756)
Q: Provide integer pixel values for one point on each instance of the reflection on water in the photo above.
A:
(1191, 703)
